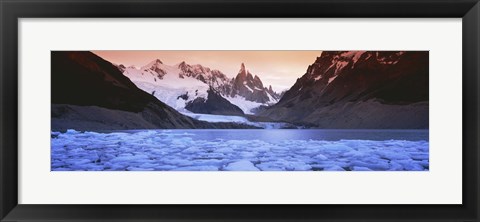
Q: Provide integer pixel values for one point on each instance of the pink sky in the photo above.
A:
(277, 68)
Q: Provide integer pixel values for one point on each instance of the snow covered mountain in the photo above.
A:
(359, 89)
(251, 88)
(199, 89)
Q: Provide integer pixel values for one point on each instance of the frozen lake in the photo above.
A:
(241, 150)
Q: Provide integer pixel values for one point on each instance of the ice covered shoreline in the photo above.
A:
(178, 150)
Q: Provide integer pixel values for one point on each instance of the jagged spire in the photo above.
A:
(182, 65)
(243, 71)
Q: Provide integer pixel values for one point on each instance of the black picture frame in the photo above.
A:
(12, 10)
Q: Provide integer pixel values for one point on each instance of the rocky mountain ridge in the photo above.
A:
(333, 88)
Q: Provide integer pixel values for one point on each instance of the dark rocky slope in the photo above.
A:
(359, 90)
(214, 104)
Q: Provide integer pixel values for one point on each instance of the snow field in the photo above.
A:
(234, 119)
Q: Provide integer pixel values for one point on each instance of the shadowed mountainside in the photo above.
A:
(359, 89)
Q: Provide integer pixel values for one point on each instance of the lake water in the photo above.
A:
(276, 135)
(242, 150)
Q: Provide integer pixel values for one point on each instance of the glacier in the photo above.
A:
(184, 150)
(234, 119)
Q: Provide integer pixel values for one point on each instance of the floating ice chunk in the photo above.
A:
(394, 166)
(192, 150)
(419, 156)
(320, 157)
(129, 158)
(392, 155)
(424, 163)
(298, 166)
(148, 166)
(374, 165)
(71, 131)
(338, 147)
(357, 154)
(358, 168)
(411, 166)
(334, 168)
(54, 134)
(165, 167)
(269, 166)
(283, 164)
(242, 165)
(224, 150)
(63, 169)
(197, 168)
(139, 169)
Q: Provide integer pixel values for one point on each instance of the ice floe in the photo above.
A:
(177, 150)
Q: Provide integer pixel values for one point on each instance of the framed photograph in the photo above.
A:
(227, 110)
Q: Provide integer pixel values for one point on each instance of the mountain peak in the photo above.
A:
(243, 71)
(247, 86)
(153, 64)
(182, 65)
(250, 86)
(121, 67)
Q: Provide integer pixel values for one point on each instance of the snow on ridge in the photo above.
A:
(155, 62)
(216, 118)
(245, 105)
(271, 99)
(170, 88)
(339, 66)
(389, 61)
(172, 96)
(353, 55)
(179, 84)
(331, 79)
(357, 56)
(248, 87)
